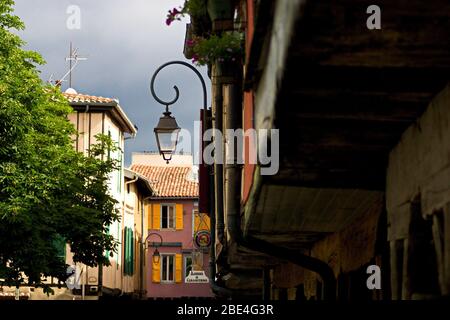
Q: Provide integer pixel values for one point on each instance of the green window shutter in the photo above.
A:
(129, 252)
(132, 253)
(126, 253)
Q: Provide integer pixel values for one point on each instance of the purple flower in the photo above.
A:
(173, 15)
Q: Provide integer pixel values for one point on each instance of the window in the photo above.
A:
(167, 268)
(187, 265)
(167, 216)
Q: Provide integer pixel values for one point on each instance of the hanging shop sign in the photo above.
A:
(202, 239)
(196, 277)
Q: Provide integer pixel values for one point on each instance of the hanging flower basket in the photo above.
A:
(225, 47)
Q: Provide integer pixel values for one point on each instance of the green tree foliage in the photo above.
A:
(48, 191)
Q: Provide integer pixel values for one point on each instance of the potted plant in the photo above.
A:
(225, 51)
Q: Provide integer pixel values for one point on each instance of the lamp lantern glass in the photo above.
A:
(166, 133)
(156, 256)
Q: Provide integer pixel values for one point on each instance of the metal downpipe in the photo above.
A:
(215, 208)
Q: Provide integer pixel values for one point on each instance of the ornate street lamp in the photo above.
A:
(167, 130)
(156, 256)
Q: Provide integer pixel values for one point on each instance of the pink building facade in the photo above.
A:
(176, 243)
(177, 237)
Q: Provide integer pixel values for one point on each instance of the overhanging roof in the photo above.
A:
(142, 182)
(79, 102)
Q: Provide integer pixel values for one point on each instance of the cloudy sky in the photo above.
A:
(125, 41)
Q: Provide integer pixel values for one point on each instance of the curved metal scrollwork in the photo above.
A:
(177, 92)
(154, 234)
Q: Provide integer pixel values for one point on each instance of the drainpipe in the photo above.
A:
(216, 205)
(142, 247)
(212, 255)
(218, 167)
(232, 189)
(233, 120)
(131, 181)
(86, 131)
(131, 136)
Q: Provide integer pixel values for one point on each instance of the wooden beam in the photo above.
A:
(413, 34)
(369, 179)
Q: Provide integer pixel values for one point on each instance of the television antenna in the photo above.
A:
(73, 59)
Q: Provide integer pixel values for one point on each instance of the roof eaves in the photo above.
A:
(133, 175)
(116, 110)
(130, 126)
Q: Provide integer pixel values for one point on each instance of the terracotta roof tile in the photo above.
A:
(170, 182)
(77, 97)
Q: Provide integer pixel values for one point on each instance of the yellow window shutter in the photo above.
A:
(178, 268)
(148, 212)
(156, 220)
(179, 218)
(156, 271)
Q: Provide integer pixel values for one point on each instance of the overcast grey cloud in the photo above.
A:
(125, 42)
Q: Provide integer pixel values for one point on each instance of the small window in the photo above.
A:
(187, 265)
(167, 216)
(167, 268)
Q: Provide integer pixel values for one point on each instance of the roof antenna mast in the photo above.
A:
(73, 59)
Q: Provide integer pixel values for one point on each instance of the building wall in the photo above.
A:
(134, 218)
(131, 219)
(112, 276)
(155, 159)
(178, 242)
(418, 200)
(89, 124)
